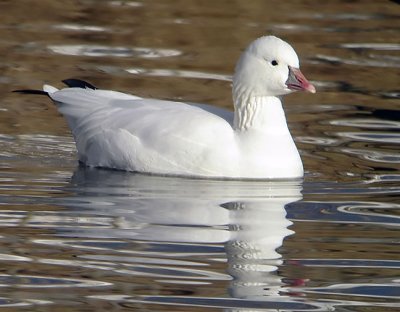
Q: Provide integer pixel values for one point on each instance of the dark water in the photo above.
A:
(76, 239)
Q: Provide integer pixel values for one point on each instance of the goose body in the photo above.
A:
(126, 132)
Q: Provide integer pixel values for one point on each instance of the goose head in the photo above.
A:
(268, 67)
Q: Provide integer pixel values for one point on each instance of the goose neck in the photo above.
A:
(263, 113)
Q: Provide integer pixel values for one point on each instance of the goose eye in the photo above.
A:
(274, 63)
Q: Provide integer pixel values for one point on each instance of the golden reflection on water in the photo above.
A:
(187, 50)
(202, 38)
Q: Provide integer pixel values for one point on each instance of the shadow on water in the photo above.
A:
(244, 222)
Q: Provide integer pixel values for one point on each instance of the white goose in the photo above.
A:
(126, 132)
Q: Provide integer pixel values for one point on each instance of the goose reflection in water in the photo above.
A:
(248, 218)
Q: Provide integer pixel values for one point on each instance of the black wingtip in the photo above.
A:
(78, 83)
(72, 83)
(27, 91)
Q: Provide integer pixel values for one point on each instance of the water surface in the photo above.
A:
(79, 239)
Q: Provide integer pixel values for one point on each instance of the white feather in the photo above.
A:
(122, 131)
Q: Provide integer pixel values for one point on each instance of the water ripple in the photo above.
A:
(389, 62)
(133, 4)
(267, 303)
(317, 140)
(380, 137)
(11, 303)
(155, 267)
(9, 257)
(347, 16)
(366, 123)
(27, 281)
(372, 46)
(374, 213)
(349, 263)
(378, 178)
(81, 28)
(171, 272)
(101, 51)
(178, 73)
(375, 156)
(389, 290)
(100, 239)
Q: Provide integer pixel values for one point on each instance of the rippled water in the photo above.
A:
(78, 239)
